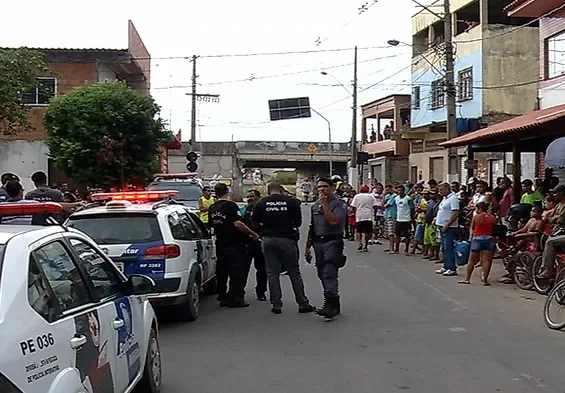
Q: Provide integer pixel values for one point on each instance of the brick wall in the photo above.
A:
(547, 28)
(68, 75)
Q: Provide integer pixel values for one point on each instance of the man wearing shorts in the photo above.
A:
(404, 210)
(390, 216)
(364, 205)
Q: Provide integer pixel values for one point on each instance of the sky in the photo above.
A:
(173, 31)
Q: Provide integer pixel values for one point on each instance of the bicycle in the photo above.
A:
(557, 295)
(544, 285)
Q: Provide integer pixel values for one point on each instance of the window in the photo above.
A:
(61, 274)
(103, 275)
(204, 232)
(119, 228)
(45, 89)
(465, 83)
(39, 295)
(555, 59)
(438, 94)
(177, 228)
(416, 97)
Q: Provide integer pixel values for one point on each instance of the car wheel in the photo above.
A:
(151, 380)
(211, 287)
(190, 310)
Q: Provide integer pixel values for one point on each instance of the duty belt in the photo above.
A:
(327, 238)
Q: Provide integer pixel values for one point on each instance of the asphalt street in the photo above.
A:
(403, 328)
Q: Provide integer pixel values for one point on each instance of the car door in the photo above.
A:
(120, 312)
(74, 314)
(209, 245)
(187, 238)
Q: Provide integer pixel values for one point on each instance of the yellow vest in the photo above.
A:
(206, 203)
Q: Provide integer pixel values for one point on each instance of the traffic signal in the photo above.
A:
(191, 164)
(362, 158)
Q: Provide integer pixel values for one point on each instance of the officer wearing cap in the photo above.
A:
(4, 179)
(326, 237)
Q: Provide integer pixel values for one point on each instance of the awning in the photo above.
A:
(519, 123)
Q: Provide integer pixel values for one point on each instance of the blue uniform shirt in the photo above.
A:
(321, 226)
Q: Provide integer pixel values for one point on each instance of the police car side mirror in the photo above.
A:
(141, 284)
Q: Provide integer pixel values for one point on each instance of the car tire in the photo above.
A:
(190, 310)
(151, 380)
(211, 287)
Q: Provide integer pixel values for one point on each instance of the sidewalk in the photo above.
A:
(505, 291)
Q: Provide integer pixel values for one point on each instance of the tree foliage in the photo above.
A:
(105, 134)
(19, 69)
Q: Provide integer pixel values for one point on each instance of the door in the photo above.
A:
(436, 169)
(186, 236)
(76, 317)
(122, 316)
(209, 246)
(414, 174)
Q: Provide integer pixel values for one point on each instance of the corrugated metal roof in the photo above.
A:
(69, 49)
(515, 3)
(519, 123)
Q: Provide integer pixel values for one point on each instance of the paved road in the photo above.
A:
(403, 329)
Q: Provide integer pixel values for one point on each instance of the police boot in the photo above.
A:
(325, 308)
(333, 307)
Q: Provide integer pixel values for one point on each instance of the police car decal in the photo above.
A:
(128, 347)
(132, 259)
(92, 359)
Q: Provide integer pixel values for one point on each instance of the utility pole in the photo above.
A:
(193, 110)
(450, 90)
(354, 115)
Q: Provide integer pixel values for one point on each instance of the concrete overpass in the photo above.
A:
(228, 159)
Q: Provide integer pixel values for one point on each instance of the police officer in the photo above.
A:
(43, 193)
(4, 179)
(255, 250)
(279, 218)
(232, 236)
(326, 237)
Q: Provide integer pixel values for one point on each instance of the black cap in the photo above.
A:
(559, 188)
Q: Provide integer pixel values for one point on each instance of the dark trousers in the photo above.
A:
(256, 253)
(233, 265)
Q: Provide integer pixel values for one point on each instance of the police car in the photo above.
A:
(189, 186)
(150, 233)
(69, 320)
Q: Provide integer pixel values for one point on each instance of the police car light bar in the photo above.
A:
(134, 195)
(189, 175)
(25, 209)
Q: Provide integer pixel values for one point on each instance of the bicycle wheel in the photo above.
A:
(522, 271)
(541, 285)
(556, 297)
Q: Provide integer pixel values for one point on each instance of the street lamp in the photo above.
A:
(353, 108)
(397, 43)
(330, 147)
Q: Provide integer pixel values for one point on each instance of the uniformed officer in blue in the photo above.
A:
(326, 237)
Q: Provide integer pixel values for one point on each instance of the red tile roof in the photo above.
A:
(515, 3)
(519, 123)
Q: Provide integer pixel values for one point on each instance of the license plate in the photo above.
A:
(120, 266)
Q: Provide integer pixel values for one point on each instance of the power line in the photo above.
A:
(252, 78)
(297, 52)
(360, 10)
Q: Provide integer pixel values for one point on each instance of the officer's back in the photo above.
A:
(279, 215)
(43, 193)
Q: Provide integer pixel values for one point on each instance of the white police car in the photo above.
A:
(70, 322)
(149, 233)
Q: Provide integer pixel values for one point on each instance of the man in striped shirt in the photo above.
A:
(15, 193)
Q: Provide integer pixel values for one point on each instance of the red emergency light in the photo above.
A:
(189, 175)
(26, 209)
(134, 196)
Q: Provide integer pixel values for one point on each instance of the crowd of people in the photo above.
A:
(432, 219)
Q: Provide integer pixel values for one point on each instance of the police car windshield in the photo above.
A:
(118, 228)
(187, 191)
